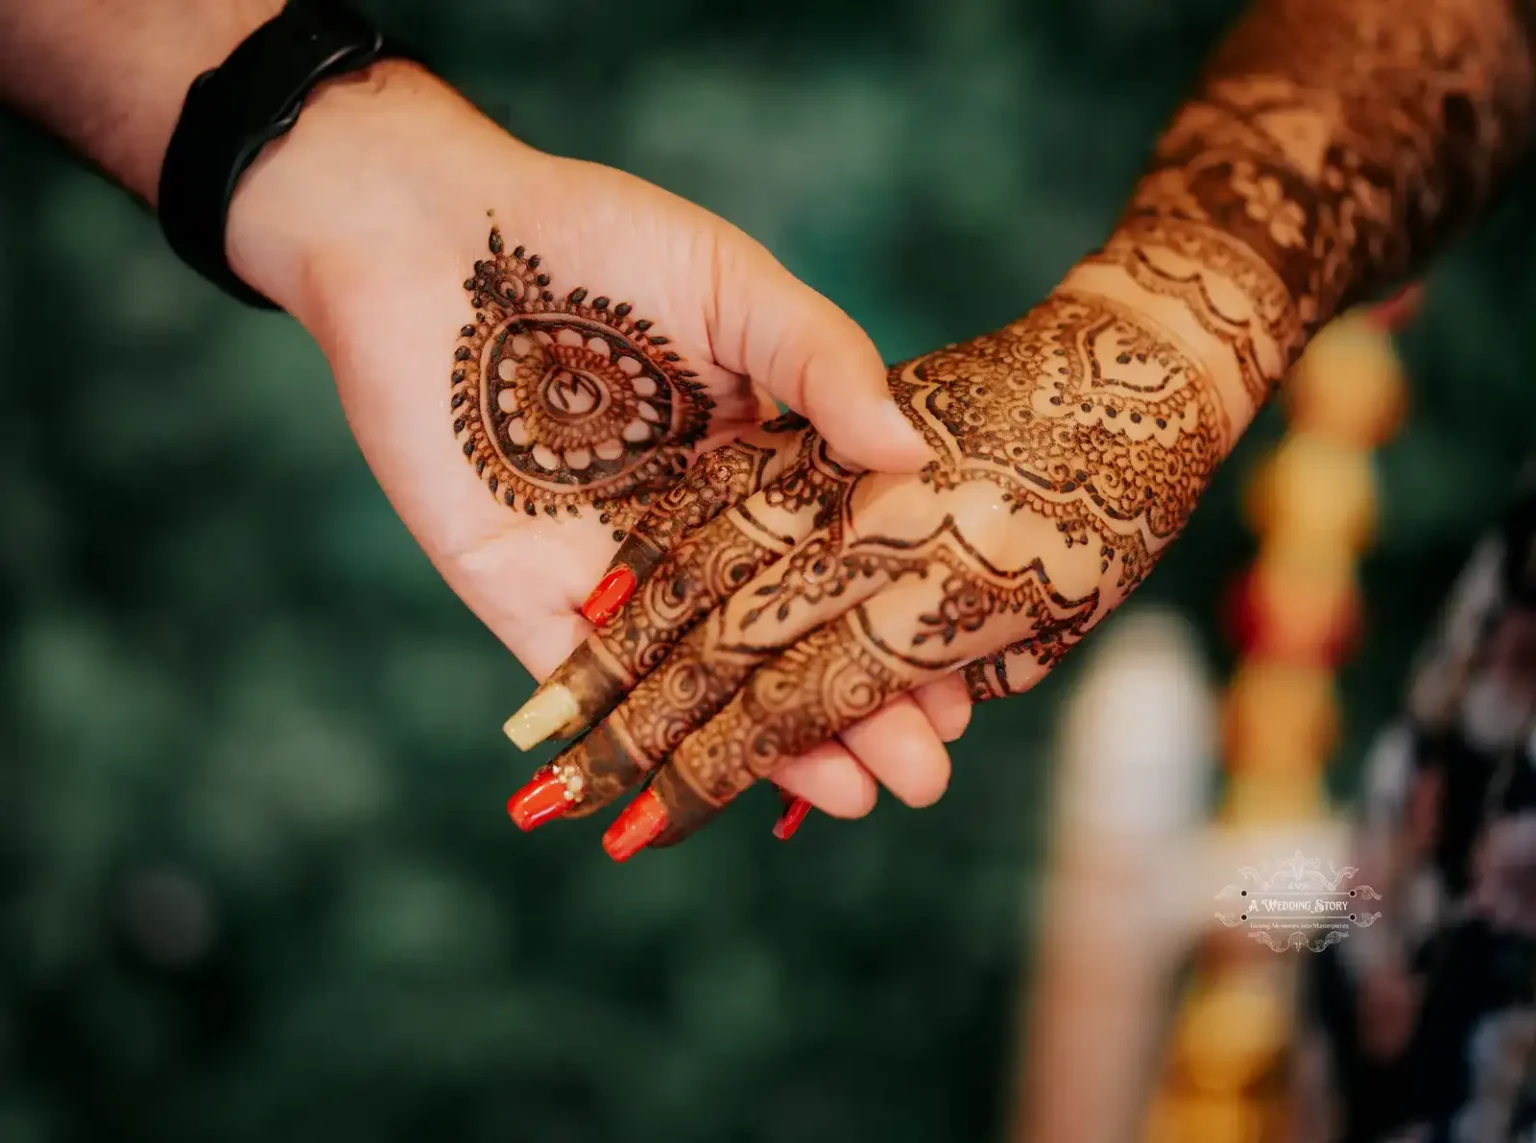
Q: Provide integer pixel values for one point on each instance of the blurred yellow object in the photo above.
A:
(1296, 615)
(1279, 719)
(1314, 493)
(1232, 1030)
(1260, 799)
(1299, 605)
(1194, 1118)
(1349, 385)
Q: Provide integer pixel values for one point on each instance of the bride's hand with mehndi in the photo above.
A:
(1072, 446)
(1327, 152)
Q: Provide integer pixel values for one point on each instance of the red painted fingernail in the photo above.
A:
(542, 800)
(611, 593)
(640, 824)
(789, 821)
(1397, 312)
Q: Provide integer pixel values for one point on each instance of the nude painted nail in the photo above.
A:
(543, 799)
(611, 593)
(640, 824)
(789, 821)
(550, 708)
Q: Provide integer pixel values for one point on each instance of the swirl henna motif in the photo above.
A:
(561, 402)
(762, 724)
(688, 583)
(695, 681)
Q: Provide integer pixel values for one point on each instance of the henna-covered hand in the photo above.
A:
(1329, 150)
(1073, 445)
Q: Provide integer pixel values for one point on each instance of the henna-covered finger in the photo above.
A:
(686, 584)
(697, 677)
(917, 629)
(720, 479)
(1011, 671)
(828, 680)
(709, 564)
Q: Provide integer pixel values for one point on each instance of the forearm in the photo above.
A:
(109, 76)
(358, 176)
(1330, 148)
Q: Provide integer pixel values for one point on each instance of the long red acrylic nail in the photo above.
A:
(640, 824)
(789, 821)
(542, 800)
(611, 593)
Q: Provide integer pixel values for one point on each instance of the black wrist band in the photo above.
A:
(236, 109)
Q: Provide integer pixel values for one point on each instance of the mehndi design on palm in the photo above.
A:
(563, 400)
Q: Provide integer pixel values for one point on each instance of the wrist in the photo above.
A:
(1209, 293)
(375, 160)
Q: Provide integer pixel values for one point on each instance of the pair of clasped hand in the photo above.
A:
(709, 599)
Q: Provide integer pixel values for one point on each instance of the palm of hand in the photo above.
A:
(518, 454)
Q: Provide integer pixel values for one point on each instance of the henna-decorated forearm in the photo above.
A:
(1329, 150)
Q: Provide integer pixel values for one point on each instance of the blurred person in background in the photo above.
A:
(1423, 1027)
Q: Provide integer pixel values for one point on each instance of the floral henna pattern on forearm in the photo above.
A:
(564, 400)
(1328, 152)
(1233, 295)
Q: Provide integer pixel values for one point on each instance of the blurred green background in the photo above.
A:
(257, 879)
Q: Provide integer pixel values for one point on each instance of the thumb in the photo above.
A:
(809, 354)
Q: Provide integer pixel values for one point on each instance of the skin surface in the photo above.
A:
(1329, 150)
(365, 221)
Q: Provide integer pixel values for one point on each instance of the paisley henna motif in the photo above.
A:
(565, 401)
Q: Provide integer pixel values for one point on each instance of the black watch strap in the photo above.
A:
(236, 109)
